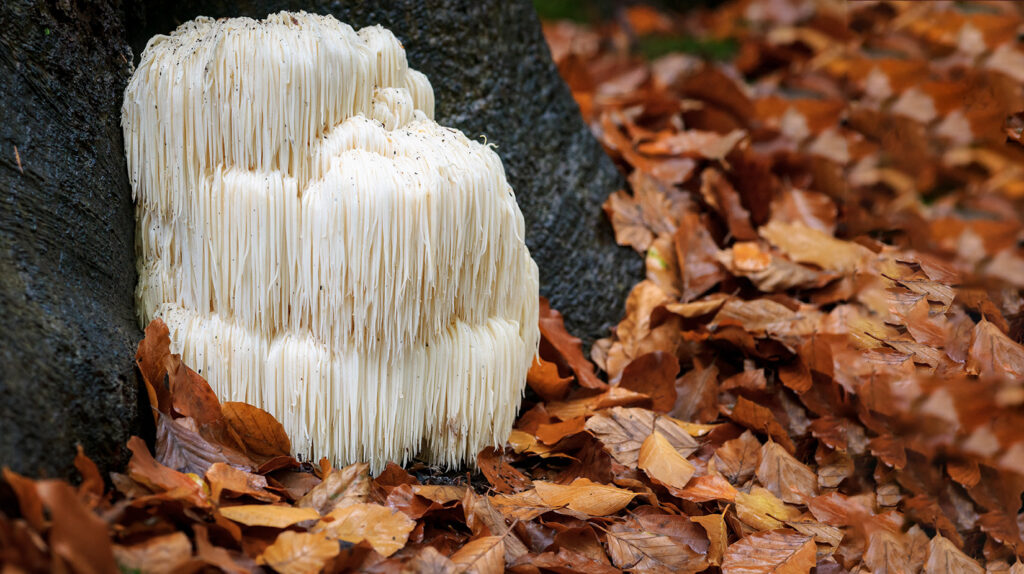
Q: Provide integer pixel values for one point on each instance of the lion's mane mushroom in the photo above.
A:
(320, 247)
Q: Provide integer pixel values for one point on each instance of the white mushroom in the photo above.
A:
(320, 247)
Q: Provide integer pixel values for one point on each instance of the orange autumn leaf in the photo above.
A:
(544, 379)
(273, 516)
(771, 552)
(485, 555)
(663, 463)
(385, 529)
(261, 434)
(300, 552)
(585, 496)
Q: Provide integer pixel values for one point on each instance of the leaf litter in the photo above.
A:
(821, 371)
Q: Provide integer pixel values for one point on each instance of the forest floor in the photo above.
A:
(822, 371)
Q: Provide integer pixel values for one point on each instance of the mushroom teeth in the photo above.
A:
(320, 247)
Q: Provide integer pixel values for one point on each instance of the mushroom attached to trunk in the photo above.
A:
(320, 247)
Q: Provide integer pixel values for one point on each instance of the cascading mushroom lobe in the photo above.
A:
(320, 247)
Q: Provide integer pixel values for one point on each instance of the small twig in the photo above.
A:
(17, 159)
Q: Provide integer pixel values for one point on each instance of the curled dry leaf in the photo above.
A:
(653, 374)
(273, 516)
(158, 555)
(300, 552)
(622, 432)
(771, 552)
(223, 477)
(552, 329)
(808, 245)
(544, 379)
(385, 529)
(663, 463)
(785, 476)
(762, 509)
(524, 506)
(484, 555)
(944, 556)
(718, 536)
(77, 535)
(643, 551)
(260, 433)
(143, 469)
(341, 487)
(584, 496)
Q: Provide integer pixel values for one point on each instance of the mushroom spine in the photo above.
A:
(320, 247)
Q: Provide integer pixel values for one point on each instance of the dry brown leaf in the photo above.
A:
(642, 551)
(663, 463)
(300, 552)
(259, 431)
(785, 476)
(223, 477)
(76, 534)
(143, 469)
(807, 245)
(993, 354)
(552, 329)
(341, 487)
(714, 526)
(485, 555)
(544, 379)
(758, 418)
(771, 552)
(524, 506)
(737, 459)
(385, 529)
(157, 555)
(622, 432)
(944, 556)
(762, 509)
(653, 374)
(590, 404)
(585, 496)
(273, 516)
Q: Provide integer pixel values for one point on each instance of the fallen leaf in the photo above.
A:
(385, 529)
(585, 496)
(159, 555)
(642, 551)
(544, 379)
(552, 329)
(944, 556)
(774, 551)
(300, 552)
(524, 506)
(758, 418)
(785, 476)
(714, 526)
(653, 374)
(274, 516)
(737, 459)
(429, 561)
(807, 245)
(223, 477)
(259, 431)
(622, 432)
(340, 488)
(663, 463)
(76, 534)
(485, 555)
(762, 509)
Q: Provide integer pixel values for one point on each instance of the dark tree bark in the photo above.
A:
(67, 264)
(67, 326)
